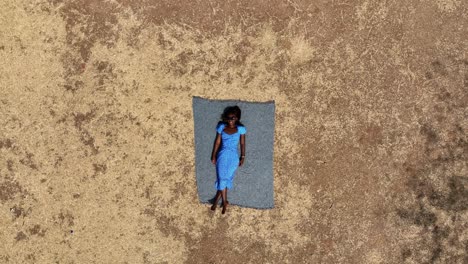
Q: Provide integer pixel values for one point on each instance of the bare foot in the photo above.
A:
(215, 203)
(224, 207)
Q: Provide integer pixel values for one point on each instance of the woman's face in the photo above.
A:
(231, 119)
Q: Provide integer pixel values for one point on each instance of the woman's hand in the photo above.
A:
(241, 161)
(213, 160)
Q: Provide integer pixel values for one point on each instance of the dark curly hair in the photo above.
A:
(232, 110)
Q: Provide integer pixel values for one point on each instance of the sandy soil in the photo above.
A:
(96, 130)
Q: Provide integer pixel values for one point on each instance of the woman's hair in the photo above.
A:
(232, 110)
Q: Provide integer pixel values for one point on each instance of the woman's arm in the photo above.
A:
(215, 148)
(242, 147)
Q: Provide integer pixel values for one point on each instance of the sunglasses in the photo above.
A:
(231, 118)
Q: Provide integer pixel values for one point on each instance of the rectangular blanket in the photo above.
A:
(253, 182)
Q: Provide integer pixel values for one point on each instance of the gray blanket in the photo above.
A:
(253, 182)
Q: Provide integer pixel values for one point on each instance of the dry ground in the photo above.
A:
(96, 130)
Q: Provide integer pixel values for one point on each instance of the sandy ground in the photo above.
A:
(96, 130)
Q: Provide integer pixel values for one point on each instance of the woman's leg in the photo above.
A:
(224, 193)
(227, 202)
(218, 194)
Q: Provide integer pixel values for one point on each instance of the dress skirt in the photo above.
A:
(226, 165)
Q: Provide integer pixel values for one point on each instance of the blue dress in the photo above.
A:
(227, 159)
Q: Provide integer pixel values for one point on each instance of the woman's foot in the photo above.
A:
(225, 207)
(216, 200)
(213, 207)
(215, 204)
